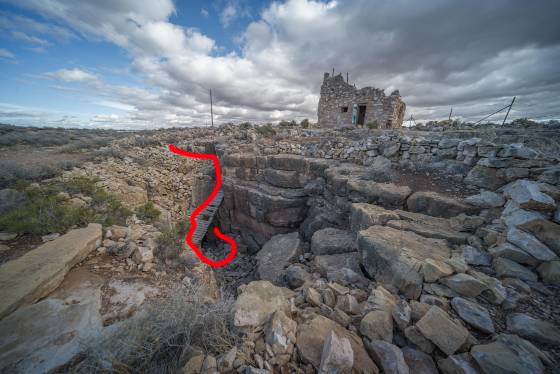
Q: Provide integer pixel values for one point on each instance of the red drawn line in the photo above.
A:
(205, 203)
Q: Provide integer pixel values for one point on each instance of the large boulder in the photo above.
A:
(40, 271)
(396, 257)
(258, 301)
(279, 252)
(437, 205)
(527, 194)
(330, 241)
(311, 337)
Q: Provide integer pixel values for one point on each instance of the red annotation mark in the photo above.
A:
(205, 203)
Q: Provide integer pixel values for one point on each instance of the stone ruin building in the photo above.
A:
(342, 104)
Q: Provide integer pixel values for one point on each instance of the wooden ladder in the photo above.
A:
(205, 218)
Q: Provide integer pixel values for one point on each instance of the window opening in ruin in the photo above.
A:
(344, 109)
(361, 114)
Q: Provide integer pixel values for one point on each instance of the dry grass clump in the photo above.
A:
(162, 337)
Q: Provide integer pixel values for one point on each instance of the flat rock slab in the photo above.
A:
(40, 337)
(40, 271)
(434, 204)
(388, 195)
(363, 215)
(396, 257)
(427, 231)
(445, 333)
(276, 254)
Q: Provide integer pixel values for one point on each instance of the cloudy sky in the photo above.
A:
(148, 64)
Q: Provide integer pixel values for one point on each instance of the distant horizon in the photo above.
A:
(150, 65)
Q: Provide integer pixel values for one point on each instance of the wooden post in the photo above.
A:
(507, 113)
(211, 109)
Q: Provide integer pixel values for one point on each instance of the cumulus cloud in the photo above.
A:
(472, 56)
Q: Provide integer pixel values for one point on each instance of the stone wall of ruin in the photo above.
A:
(386, 111)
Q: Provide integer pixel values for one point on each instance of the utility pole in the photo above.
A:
(211, 110)
(333, 72)
(504, 121)
(346, 77)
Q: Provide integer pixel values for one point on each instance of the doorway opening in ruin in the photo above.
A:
(361, 114)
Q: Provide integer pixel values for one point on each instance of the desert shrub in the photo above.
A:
(83, 185)
(11, 171)
(287, 124)
(147, 212)
(108, 209)
(265, 130)
(46, 211)
(372, 125)
(245, 126)
(304, 123)
(159, 339)
(172, 240)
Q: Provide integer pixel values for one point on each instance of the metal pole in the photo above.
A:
(508, 110)
(211, 109)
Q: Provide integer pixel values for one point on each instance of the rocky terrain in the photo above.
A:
(360, 251)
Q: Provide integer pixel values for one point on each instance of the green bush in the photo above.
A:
(46, 210)
(304, 123)
(147, 212)
(265, 130)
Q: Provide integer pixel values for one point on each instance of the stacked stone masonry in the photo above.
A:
(341, 101)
